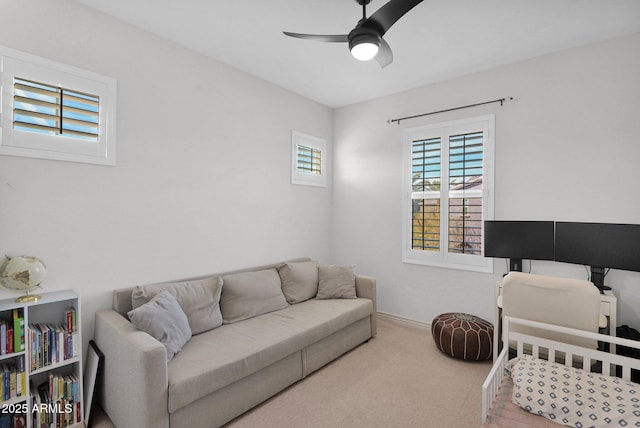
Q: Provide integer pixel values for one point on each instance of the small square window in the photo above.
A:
(308, 155)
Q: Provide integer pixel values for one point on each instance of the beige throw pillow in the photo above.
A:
(299, 280)
(163, 319)
(336, 282)
(249, 294)
(199, 299)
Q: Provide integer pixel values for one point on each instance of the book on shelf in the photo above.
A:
(19, 421)
(6, 338)
(13, 383)
(6, 389)
(9, 349)
(51, 344)
(3, 337)
(21, 387)
(72, 322)
(13, 380)
(13, 421)
(12, 333)
(18, 330)
(56, 401)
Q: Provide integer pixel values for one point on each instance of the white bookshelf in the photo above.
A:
(49, 310)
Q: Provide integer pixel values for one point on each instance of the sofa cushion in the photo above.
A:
(336, 282)
(219, 357)
(163, 319)
(199, 299)
(249, 294)
(299, 280)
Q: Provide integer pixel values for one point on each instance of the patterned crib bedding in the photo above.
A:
(505, 414)
(572, 396)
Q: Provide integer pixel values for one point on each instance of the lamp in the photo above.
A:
(364, 43)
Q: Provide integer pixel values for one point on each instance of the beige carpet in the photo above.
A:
(398, 379)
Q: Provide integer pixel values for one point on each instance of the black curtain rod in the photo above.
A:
(500, 100)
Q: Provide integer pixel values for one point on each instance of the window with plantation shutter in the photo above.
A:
(448, 182)
(42, 108)
(308, 155)
(54, 111)
(309, 160)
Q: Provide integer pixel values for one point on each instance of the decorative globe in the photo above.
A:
(22, 273)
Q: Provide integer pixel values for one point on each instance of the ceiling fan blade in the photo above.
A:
(388, 14)
(384, 55)
(336, 38)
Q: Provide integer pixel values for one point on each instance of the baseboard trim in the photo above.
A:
(403, 320)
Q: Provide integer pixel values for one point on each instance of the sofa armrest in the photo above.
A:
(366, 287)
(134, 391)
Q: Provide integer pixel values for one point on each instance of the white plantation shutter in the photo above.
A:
(465, 193)
(43, 108)
(309, 160)
(448, 177)
(425, 194)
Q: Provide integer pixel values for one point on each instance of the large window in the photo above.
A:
(448, 185)
(55, 111)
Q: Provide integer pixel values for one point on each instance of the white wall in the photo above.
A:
(202, 182)
(567, 149)
(208, 189)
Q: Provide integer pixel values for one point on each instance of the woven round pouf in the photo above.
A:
(463, 336)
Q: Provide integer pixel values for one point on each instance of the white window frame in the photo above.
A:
(57, 147)
(299, 139)
(443, 258)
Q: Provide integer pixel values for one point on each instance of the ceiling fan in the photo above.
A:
(365, 40)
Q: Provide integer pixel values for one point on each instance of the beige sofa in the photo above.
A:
(225, 371)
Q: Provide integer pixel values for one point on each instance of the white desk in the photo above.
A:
(608, 308)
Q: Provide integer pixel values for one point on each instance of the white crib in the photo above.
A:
(550, 351)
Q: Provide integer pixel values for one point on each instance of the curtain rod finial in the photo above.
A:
(503, 100)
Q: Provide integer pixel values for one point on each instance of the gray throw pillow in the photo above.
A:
(249, 294)
(299, 280)
(336, 282)
(199, 299)
(163, 319)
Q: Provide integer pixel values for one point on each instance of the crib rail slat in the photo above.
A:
(626, 373)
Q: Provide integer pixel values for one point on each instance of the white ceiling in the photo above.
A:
(437, 40)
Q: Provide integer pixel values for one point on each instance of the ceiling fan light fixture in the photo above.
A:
(364, 51)
(364, 47)
(366, 39)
